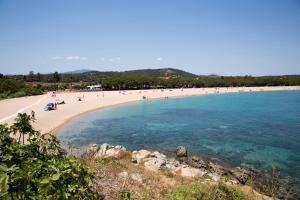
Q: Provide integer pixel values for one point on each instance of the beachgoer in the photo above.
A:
(55, 105)
(33, 115)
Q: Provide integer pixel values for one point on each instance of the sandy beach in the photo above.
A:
(50, 121)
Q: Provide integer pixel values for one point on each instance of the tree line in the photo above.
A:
(34, 84)
(144, 82)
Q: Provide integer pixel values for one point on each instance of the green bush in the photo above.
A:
(123, 195)
(11, 88)
(39, 169)
(205, 191)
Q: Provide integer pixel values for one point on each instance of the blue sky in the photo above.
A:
(232, 37)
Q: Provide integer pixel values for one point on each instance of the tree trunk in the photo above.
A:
(23, 138)
(20, 138)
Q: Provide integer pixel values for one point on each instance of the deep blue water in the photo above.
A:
(247, 129)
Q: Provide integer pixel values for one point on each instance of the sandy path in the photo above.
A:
(48, 121)
(22, 109)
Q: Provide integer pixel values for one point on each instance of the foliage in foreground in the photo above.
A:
(206, 191)
(39, 169)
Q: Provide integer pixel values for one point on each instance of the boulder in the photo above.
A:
(107, 150)
(92, 148)
(215, 168)
(181, 151)
(154, 164)
(242, 175)
(191, 172)
(197, 162)
(120, 147)
(156, 154)
(102, 151)
(138, 156)
(172, 165)
(113, 153)
(91, 151)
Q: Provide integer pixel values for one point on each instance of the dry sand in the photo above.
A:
(49, 121)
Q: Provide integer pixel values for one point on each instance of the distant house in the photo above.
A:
(166, 77)
(94, 87)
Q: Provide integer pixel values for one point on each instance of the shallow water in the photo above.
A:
(249, 129)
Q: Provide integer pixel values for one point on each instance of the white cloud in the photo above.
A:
(69, 58)
(159, 59)
(75, 58)
(115, 60)
(56, 57)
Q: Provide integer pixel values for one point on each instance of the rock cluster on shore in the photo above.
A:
(182, 165)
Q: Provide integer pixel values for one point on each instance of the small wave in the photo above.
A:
(223, 127)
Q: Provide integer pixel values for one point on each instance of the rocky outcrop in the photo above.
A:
(105, 151)
(155, 164)
(197, 162)
(138, 156)
(242, 175)
(217, 169)
(155, 161)
(191, 172)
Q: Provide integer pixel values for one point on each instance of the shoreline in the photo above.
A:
(53, 121)
(56, 130)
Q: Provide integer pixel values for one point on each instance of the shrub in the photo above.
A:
(123, 195)
(205, 191)
(39, 169)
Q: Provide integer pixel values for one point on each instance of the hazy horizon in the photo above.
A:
(259, 37)
(211, 74)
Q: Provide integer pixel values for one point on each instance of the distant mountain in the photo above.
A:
(79, 71)
(162, 72)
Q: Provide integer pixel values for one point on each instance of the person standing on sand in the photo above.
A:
(33, 115)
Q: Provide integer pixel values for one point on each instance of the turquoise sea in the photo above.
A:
(248, 129)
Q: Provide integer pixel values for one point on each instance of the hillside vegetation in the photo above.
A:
(33, 84)
(10, 88)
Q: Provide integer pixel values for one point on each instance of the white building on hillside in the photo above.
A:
(94, 87)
